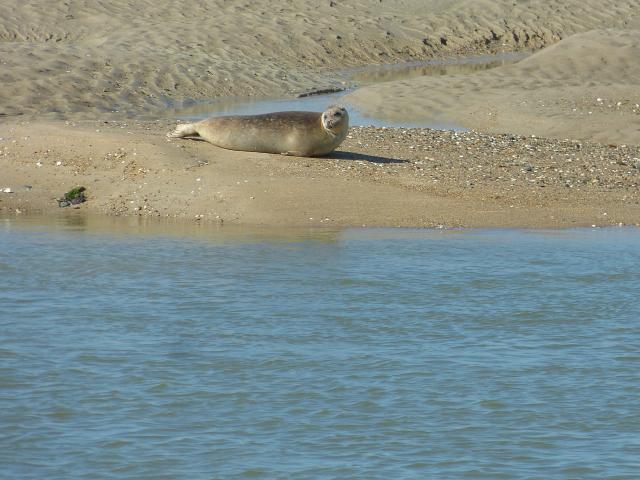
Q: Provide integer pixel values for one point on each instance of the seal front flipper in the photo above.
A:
(183, 131)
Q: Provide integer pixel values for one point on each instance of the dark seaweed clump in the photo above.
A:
(74, 196)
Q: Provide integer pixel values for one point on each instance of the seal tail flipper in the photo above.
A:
(183, 130)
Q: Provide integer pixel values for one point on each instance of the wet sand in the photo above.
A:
(66, 69)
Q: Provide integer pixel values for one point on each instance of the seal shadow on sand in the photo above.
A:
(335, 155)
(353, 156)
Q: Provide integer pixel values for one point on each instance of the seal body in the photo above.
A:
(304, 134)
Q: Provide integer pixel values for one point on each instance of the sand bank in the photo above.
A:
(87, 90)
(584, 87)
(380, 177)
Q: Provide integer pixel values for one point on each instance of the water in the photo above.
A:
(358, 76)
(175, 351)
(313, 103)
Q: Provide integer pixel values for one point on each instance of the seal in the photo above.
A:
(303, 134)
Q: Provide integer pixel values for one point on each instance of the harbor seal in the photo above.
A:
(303, 134)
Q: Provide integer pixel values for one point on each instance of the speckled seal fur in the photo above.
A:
(304, 134)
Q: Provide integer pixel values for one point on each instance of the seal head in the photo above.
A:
(335, 118)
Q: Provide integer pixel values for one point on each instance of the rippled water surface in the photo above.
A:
(165, 351)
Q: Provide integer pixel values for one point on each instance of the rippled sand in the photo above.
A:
(135, 56)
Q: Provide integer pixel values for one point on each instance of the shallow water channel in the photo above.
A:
(146, 350)
(353, 78)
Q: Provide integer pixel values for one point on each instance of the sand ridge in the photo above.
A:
(584, 87)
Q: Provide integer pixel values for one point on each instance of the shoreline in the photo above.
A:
(115, 226)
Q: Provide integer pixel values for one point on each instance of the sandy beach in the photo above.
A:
(89, 91)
